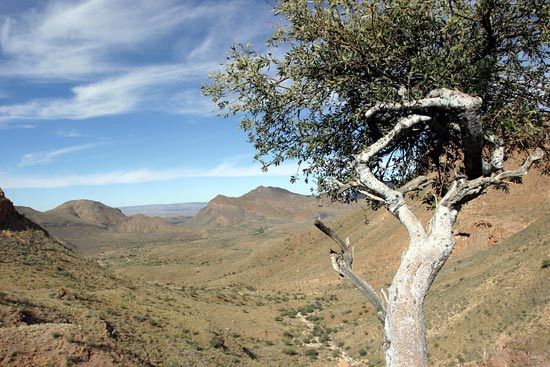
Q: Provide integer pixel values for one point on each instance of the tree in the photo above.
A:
(388, 97)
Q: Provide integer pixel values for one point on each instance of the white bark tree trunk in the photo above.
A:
(405, 334)
(402, 311)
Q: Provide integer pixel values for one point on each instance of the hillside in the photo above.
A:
(58, 309)
(488, 307)
(241, 296)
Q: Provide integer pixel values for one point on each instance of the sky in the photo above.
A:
(100, 100)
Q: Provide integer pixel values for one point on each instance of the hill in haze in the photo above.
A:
(172, 213)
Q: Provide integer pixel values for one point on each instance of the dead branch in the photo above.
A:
(342, 264)
(463, 190)
(497, 157)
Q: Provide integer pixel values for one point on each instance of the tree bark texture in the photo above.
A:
(404, 323)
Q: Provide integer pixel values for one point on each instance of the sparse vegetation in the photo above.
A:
(212, 319)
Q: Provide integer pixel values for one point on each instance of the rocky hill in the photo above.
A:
(10, 219)
(88, 212)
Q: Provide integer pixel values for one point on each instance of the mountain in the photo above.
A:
(76, 213)
(88, 212)
(90, 226)
(264, 205)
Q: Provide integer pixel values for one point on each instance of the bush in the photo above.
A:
(312, 353)
(290, 351)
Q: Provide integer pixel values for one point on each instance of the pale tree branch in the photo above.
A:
(342, 263)
(437, 99)
(401, 125)
(358, 186)
(497, 157)
(536, 155)
(394, 202)
(416, 184)
(467, 111)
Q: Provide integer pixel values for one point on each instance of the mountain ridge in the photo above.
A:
(88, 225)
(264, 203)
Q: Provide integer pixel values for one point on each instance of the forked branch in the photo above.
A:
(463, 191)
(342, 263)
(417, 184)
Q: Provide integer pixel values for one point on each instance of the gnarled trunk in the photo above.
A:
(405, 334)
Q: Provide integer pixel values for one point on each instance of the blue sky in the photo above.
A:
(100, 99)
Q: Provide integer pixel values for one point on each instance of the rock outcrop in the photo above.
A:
(10, 219)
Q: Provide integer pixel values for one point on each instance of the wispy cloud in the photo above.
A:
(72, 133)
(45, 157)
(226, 169)
(111, 96)
(109, 51)
(190, 102)
(72, 40)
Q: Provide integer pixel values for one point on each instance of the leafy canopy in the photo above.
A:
(304, 95)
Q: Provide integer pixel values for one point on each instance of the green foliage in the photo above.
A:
(303, 96)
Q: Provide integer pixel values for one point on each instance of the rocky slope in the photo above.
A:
(272, 299)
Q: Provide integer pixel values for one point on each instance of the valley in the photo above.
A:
(247, 282)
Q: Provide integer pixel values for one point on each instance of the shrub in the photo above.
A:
(290, 351)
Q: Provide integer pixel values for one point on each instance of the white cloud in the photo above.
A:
(123, 55)
(111, 96)
(72, 133)
(72, 40)
(191, 102)
(45, 157)
(226, 169)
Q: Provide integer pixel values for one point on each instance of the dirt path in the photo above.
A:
(344, 359)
